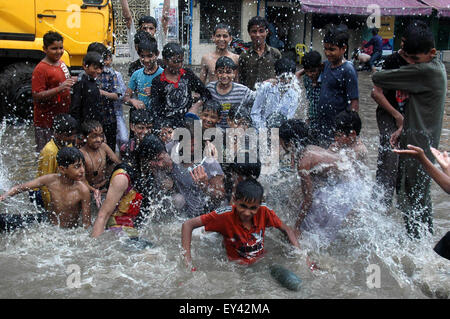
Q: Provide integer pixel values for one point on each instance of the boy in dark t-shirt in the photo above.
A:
(339, 90)
(172, 91)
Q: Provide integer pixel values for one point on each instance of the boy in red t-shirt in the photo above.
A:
(241, 225)
(51, 83)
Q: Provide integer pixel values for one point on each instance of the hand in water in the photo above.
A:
(413, 151)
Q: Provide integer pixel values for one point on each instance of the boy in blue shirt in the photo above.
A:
(339, 89)
(141, 80)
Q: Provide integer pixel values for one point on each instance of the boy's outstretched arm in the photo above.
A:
(290, 234)
(441, 178)
(186, 237)
(35, 183)
(126, 13)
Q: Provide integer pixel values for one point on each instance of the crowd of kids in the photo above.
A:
(177, 150)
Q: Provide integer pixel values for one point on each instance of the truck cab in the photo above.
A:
(22, 27)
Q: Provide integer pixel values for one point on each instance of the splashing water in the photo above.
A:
(36, 261)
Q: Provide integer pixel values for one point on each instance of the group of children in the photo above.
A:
(80, 158)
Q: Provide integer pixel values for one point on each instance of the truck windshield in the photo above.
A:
(93, 1)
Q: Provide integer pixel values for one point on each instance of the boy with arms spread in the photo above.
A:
(242, 225)
(425, 79)
(226, 91)
(96, 152)
(257, 64)
(339, 90)
(51, 83)
(221, 38)
(69, 195)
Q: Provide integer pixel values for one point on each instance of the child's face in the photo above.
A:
(209, 119)
(258, 34)
(225, 75)
(74, 171)
(166, 134)
(95, 138)
(222, 39)
(93, 70)
(418, 57)
(107, 61)
(149, 27)
(246, 209)
(174, 64)
(334, 53)
(148, 59)
(313, 73)
(54, 51)
(141, 129)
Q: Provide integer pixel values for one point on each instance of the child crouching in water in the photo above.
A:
(242, 225)
(70, 197)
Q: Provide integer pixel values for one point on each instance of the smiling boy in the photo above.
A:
(221, 38)
(258, 63)
(242, 225)
(69, 195)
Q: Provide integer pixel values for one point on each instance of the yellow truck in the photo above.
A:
(23, 24)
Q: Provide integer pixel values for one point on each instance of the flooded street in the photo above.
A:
(41, 261)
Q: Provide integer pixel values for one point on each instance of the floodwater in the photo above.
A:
(45, 262)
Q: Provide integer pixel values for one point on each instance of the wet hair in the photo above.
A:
(139, 116)
(261, 21)
(69, 155)
(225, 62)
(172, 49)
(285, 65)
(88, 126)
(149, 148)
(147, 19)
(93, 58)
(149, 45)
(97, 47)
(347, 121)
(50, 37)
(247, 169)
(64, 124)
(295, 131)
(222, 26)
(212, 105)
(418, 38)
(337, 35)
(311, 60)
(249, 190)
(142, 35)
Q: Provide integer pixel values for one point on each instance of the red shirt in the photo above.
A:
(46, 77)
(240, 243)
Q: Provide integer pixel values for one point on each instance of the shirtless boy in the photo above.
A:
(96, 152)
(69, 195)
(221, 38)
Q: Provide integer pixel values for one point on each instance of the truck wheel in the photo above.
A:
(15, 90)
